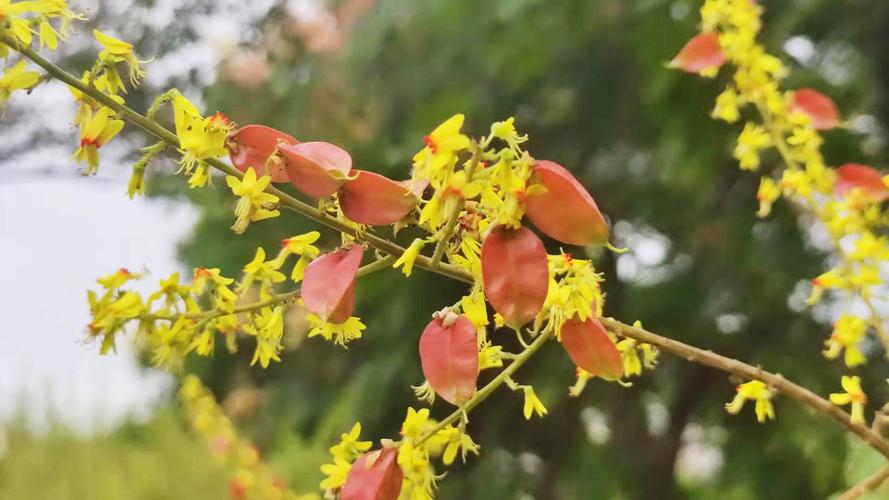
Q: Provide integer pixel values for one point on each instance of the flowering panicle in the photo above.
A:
(250, 476)
(845, 200)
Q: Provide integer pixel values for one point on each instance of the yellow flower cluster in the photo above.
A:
(52, 18)
(251, 479)
(851, 215)
(178, 318)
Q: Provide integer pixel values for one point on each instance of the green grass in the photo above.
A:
(156, 460)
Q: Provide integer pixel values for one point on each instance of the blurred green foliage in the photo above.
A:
(151, 461)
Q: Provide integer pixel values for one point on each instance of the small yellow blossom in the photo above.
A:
(338, 333)
(95, 132)
(506, 131)
(853, 395)
(727, 104)
(199, 138)
(847, 333)
(254, 203)
(117, 51)
(532, 403)
(409, 256)
(15, 78)
(767, 194)
(756, 391)
(752, 140)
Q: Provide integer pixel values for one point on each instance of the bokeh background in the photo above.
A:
(586, 80)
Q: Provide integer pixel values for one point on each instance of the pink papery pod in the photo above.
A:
(868, 179)
(252, 145)
(700, 53)
(819, 108)
(375, 200)
(374, 476)
(560, 207)
(328, 285)
(589, 346)
(515, 273)
(317, 169)
(449, 355)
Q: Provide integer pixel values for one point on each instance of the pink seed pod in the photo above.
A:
(374, 476)
(560, 207)
(252, 145)
(328, 285)
(700, 53)
(868, 179)
(375, 200)
(820, 108)
(515, 273)
(590, 347)
(449, 356)
(317, 169)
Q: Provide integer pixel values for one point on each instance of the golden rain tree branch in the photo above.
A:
(688, 352)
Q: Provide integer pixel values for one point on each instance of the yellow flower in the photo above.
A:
(265, 271)
(118, 278)
(847, 333)
(532, 403)
(300, 245)
(339, 333)
(727, 104)
(16, 78)
(409, 256)
(336, 473)
(199, 138)
(254, 204)
(95, 132)
(268, 328)
(506, 131)
(751, 141)
(349, 446)
(117, 51)
(457, 440)
(766, 195)
(434, 162)
(853, 395)
(756, 391)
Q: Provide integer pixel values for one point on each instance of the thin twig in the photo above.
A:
(867, 485)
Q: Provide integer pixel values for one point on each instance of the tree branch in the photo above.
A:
(690, 353)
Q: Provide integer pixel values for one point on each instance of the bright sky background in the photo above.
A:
(60, 231)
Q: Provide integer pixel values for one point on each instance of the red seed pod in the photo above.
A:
(868, 179)
(375, 199)
(700, 53)
(820, 108)
(316, 168)
(328, 285)
(374, 476)
(515, 273)
(252, 145)
(560, 207)
(449, 355)
(589, 346)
